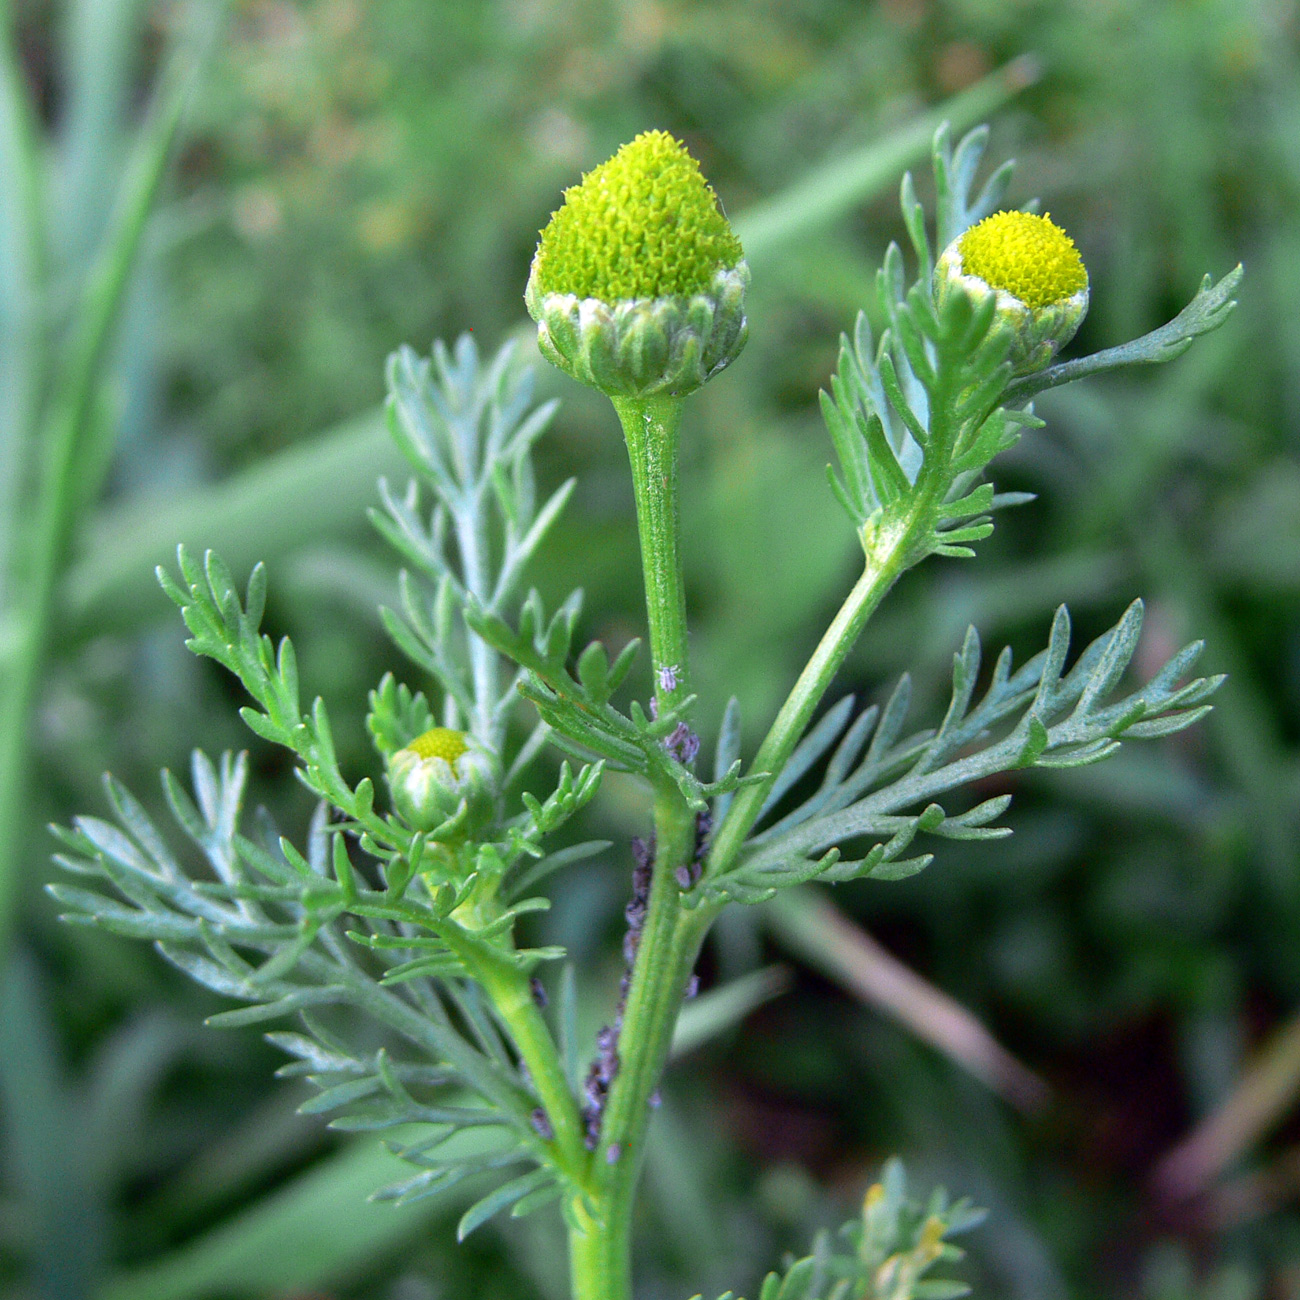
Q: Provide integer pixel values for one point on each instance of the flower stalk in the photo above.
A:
(651, 428)
(800, 705)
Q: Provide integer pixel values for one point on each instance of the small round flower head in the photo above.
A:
(1035, 270)
(638, 283)
(444, 775)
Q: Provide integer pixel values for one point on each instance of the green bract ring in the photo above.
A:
(643, 346)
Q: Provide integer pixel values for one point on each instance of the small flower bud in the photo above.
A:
(438, 774)
(1033, 267)
(638, 284)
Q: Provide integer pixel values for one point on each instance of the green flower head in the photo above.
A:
(1035, 270)
(644, 224)
(638, 283)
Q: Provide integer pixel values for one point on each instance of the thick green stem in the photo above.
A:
(510, 991)
(670, 944)
(600, 1256)
(600, 1234)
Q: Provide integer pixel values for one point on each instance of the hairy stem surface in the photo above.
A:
(670, 943)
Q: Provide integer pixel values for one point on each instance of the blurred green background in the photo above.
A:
(356, 174)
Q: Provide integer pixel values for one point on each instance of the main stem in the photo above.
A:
(600, 1232)
(600, 1243)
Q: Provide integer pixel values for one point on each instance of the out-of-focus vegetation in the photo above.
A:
(359, 175)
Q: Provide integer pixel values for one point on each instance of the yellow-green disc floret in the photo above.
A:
(644, 224)
(1029, 256)
(440, 742)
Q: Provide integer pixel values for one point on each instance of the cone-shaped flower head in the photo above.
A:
(1033, 267)
(638, 284)
(444, 775)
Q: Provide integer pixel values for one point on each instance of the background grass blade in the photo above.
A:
(22, 257)
(836, 187)
(317, 1230)
(100, 52)
(724, 1007)
(300, 496)
(1264, 1095)
(69, 431)
(67, 1230)
(811, 927)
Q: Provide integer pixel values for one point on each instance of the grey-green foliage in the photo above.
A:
(1206, 312)
(469, 431)
(934, 397)
(315, 933)
(915, 419)
(376, 924)
(886, 1253)
(577, 707)
(1037, 716)
(288, 933)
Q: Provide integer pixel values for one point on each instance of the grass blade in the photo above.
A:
(812, 928)
(22, 361)
(68, 430)
(837, 186)
(720, 1009)
(308, 493)
(315, 1231)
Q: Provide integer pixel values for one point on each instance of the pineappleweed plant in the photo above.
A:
(398, 921)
